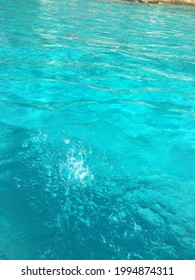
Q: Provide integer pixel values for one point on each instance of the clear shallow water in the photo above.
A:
(97, 130)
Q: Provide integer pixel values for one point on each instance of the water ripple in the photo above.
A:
(97, 130)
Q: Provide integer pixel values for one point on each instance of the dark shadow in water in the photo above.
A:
(45, 215)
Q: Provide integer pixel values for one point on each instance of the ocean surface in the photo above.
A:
(97, 130)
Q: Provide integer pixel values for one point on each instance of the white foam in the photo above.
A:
(77, 168)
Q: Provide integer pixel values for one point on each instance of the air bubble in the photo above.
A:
(66, 141)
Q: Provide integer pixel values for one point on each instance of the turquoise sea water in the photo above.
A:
(97, 130)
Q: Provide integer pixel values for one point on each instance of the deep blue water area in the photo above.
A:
(97, 130)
